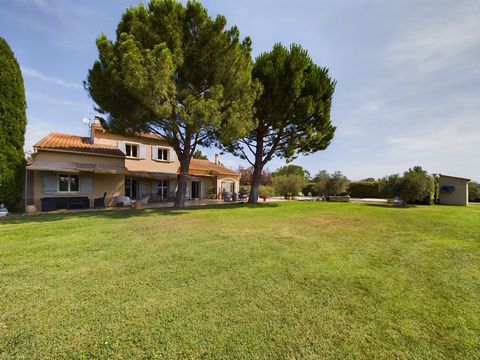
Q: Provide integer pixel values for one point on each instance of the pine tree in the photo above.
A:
(176, 72)
(13, 121)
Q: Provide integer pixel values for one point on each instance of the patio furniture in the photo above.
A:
(227, 196)
(99, 203)
(123, 201)
(3, 210)
(144, 199)
(65, 202)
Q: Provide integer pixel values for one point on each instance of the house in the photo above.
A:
(71, 171)
(453, 190)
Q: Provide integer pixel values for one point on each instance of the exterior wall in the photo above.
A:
(459, 196)
(113, 185)
(147, 164)
(235, 179)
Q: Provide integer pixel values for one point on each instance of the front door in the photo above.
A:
(195, 190)
(131, 188)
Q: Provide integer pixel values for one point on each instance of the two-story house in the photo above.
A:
(68, 166)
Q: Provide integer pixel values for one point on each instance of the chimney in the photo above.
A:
(217, 159)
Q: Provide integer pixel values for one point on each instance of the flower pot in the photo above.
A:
(31, 209)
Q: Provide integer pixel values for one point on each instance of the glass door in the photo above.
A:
(131, 188)
(195, 190)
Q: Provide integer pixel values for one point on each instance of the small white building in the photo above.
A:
(453, 190)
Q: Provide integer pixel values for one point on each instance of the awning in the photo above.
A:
(152, 175)
(71, 167)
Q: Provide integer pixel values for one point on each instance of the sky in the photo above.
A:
(407, 72)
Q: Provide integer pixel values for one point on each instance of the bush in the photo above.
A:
(334, 184)
(288, 185)
(265, 190)
(415, 186)
(473, 192)
(365, 189)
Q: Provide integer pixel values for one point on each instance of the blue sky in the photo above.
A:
(408, 73)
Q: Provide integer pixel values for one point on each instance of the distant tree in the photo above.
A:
(292, 170)
(415, 186)
(338, 184)
(288, 184)
(13, 121)
(292, 113)
(247, 173)
(473, 191)
(175, 72)
(198, 154)
(321, 181)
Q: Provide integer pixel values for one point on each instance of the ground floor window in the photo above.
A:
(67, 183)
(162, 189)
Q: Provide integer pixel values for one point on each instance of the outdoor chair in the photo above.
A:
(99, 203)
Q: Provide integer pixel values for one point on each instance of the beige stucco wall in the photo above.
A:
(113, 185)
(457, 197)
(65, 157)
(147, 164)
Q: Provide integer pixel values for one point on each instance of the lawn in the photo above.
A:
(286, 280)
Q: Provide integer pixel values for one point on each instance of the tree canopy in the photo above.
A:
(292, 113)
(176, 72)
(292, 170)
(198, 154)
(13, 121)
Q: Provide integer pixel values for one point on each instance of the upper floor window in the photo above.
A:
(131, 150)
(68, 183)
(162, 154)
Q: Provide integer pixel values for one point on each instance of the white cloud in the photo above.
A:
(57, 101)
(53, 80)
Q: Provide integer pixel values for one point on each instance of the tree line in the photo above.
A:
(414, 186)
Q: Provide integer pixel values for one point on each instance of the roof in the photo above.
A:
(202, 167)
(97, 126)
(455, 177)
(74, 143)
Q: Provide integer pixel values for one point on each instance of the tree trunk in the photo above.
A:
(256, 178)
(182, 183)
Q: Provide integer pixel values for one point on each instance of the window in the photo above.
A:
(162, 189)
(162, 154)
(68, 183)
(131, 150)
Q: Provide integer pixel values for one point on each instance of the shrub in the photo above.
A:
(265, 190)
(288, 185)
(473, 192)
(415, 186)
(331, 184)
(365, 189)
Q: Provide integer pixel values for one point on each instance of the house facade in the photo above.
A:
(145, 165)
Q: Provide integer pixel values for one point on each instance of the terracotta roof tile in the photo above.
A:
(73, 143)
(200, 167)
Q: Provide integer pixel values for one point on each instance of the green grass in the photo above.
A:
(305, 280)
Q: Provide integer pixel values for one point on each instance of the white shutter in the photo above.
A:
(49, 183)
(121, 146)
(143, 151)
(86, 184)
(172, 155)
(142, 188)
(154, 187)
(154, 152)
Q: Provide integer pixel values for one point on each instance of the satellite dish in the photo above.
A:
(86, 121)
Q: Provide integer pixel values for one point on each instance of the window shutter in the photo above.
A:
(154, 187)
(142, 188)
(49, 183)
(172, 155)
(86, 184)
(154, 152)
(143, 151)
(121, 146)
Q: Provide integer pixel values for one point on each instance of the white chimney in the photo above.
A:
(217, 159)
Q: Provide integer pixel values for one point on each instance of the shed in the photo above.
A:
(453, 190)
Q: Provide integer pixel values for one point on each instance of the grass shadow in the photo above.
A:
(124, 213)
